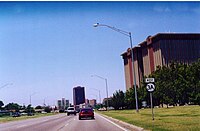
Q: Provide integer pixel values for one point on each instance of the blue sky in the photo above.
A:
(47, 48)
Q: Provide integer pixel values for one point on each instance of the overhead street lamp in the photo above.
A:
(6, 85)
(106, 86)
(31, 96)
(132, 55)
(45, 101)
(30, 101)
(99, 94)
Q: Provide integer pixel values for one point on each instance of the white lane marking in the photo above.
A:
(69, 122)
(21, 126)
(113, 123)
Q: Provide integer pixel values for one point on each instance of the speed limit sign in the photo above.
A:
(150, 87)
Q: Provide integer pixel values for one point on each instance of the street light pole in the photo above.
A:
(107, 92)
(31, 96)
(99, 94)
(5, 85)
(133, 67)
(132, 56)
(99, 97)
(106, 87)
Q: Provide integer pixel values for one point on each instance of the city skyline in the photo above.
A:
(47, 48)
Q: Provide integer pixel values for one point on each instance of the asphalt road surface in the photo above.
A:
(62, 122)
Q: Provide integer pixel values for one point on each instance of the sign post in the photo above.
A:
(150, 88)
(152, 106)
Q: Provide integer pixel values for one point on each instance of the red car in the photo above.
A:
(86, 113)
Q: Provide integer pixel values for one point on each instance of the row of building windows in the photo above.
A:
(181, 50)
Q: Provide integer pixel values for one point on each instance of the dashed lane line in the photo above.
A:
(21, 126)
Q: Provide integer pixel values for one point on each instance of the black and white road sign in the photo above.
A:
(150, 87)
(149, 80)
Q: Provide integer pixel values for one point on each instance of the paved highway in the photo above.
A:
(62, 122)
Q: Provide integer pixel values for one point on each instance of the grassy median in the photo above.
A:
(10, 118)
(182, 118)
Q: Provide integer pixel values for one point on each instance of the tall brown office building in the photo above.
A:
(160, 50)
(78, 95)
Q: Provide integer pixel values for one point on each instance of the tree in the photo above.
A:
(38, 107)
(158, 94)
(23, 107)
(163, 85)
(142, 95)
(30, 109)
(55, 108)
(117, 100)
(1, 104)
(47, 109)
(130, 98)
(175, 84)
(97, 106)
(12, 106)
(178, 83)
(194, 82)
(182, 83)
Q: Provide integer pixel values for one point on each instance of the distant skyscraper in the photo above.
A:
(59, 104)
(79, 95)
(63, 104)
(67, 104)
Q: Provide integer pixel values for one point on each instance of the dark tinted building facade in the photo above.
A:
(160, 50)
(78, 95)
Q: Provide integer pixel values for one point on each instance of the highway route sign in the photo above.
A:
(150, 87)
(149, 80)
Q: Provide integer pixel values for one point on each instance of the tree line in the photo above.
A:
(176, 84)
(14, 107)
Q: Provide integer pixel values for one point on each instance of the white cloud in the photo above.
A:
(167, 9)
(161, 9)
(196, 10)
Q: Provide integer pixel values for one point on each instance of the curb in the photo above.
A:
(124, 124)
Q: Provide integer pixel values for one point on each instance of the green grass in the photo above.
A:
(10, 118)
(182, 118)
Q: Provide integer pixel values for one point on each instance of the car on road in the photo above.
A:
(71, 110)
(86, 113)
(24, 113)
(16, 114)
(44, 112)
